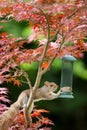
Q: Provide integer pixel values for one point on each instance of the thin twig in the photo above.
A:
(24, 82)
(57, 32)
(50, 63)
(61, 44)
(75, 11)
(47, 20)
(28, 80)
(76, 26)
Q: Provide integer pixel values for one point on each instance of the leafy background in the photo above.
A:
(67, 114)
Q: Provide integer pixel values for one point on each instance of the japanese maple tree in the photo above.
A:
(58, 28)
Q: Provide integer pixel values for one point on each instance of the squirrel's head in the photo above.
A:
(51, 86)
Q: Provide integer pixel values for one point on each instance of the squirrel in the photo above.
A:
(46, 92)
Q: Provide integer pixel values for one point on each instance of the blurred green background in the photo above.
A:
(67, 114)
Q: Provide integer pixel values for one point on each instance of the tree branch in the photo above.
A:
(50, 63)
(57, 32)
(28, 80)
(39, 74)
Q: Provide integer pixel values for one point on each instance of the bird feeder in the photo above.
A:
(67, 76)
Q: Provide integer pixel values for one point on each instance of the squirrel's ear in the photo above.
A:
(46, 83)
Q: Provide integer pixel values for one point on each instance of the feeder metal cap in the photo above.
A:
(69, 58)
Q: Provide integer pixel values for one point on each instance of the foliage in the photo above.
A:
(69, 29)
(3, 100)
(58, 28)
(40, 121)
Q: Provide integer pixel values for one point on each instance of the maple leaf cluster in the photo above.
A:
(3, 100)
(63, 23)
(40, 122)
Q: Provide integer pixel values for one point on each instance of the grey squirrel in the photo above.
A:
(46, 92)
